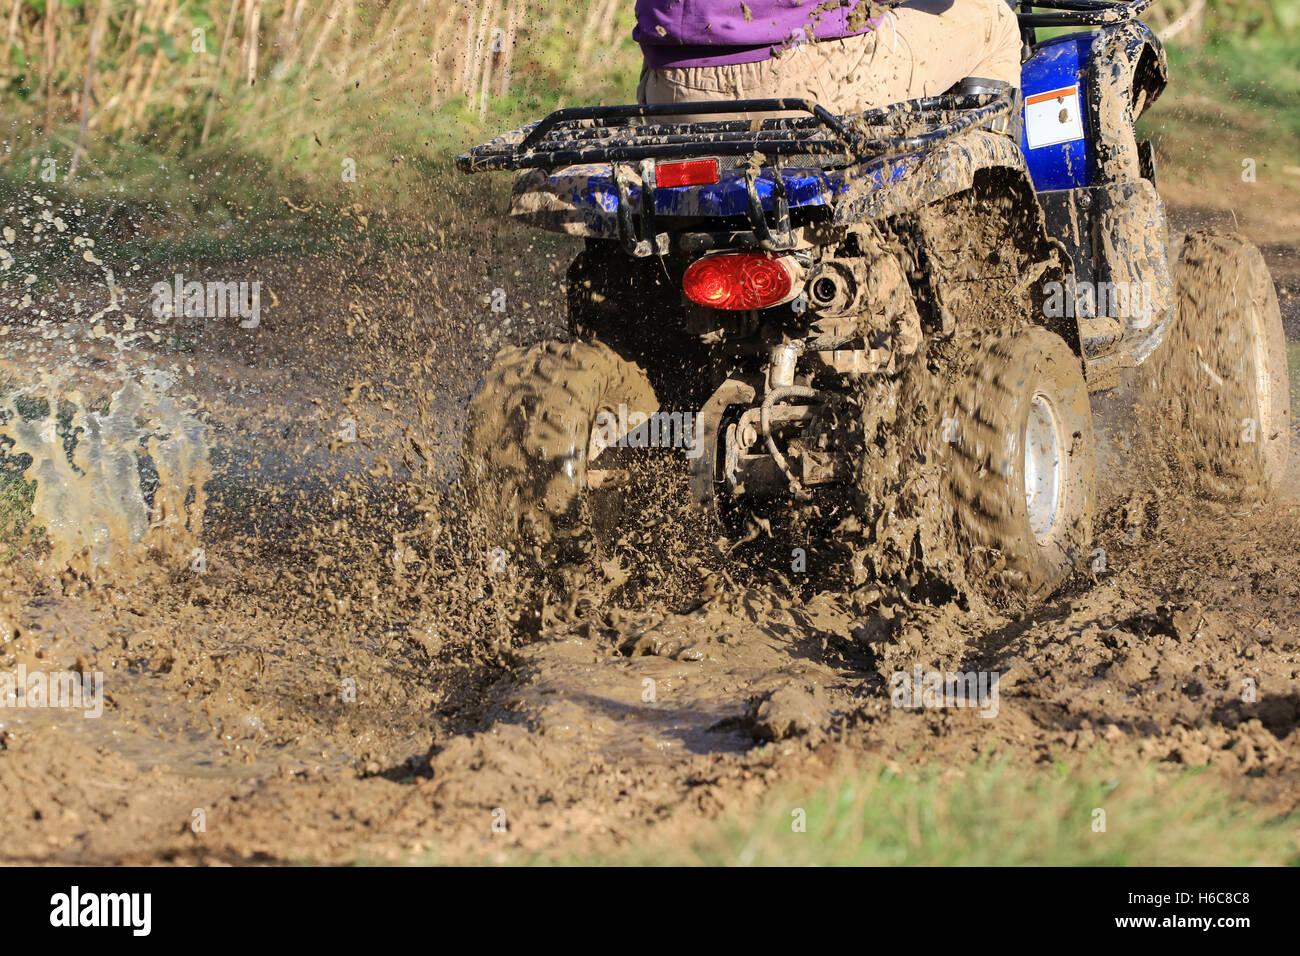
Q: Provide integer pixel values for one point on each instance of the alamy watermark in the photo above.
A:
(69, 690)
(209, 300)
(632, 429)
(1127, 301)
(131, 911)
(923, 688)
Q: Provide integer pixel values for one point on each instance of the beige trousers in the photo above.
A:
(921, 49)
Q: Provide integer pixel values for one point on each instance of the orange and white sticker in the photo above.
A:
(1053, 117)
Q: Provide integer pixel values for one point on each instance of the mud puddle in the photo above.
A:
(344, 676)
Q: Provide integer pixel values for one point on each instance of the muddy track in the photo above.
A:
(348, 677)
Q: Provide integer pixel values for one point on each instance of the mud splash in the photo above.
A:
(87, 465)
(351, 676)
(117, 451)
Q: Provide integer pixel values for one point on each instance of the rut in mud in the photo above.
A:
(336, 664)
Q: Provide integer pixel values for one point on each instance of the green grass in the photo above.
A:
(1227, 101)
(993, 815)
(985, 814)
(157, 193)
(17, 528)
(16, 497)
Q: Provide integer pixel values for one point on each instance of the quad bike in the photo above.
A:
(881, 319)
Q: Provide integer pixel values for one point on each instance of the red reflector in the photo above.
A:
(691, 172)
(740, 280)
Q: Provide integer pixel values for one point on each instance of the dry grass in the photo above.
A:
(276, 72)
(213, 109)
(116, 66)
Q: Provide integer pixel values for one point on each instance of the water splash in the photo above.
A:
(90, 496)
(116, 478)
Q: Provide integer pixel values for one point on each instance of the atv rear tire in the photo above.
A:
(634, 306)
(531, 438)
(1021, 465)
(1217, 393)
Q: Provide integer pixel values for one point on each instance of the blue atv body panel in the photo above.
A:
(727, 197)
(1059, 65)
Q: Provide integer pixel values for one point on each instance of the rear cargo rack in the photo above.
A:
(614, 134)
(639, 136)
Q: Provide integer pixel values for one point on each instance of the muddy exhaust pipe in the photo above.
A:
(838, 287)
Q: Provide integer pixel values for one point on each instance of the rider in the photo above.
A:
(855, 55)
(850, 55)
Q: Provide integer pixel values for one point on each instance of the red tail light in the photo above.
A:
(741, 280)
(693, 172)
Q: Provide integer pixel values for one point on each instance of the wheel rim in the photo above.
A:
(596, 440)
(1044, 466)
(596, 478)
(1263, 374)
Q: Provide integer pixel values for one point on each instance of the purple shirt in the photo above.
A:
(684, 33)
